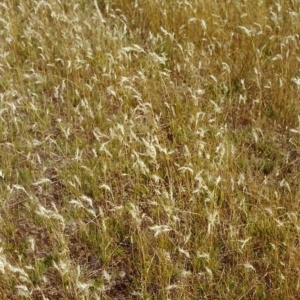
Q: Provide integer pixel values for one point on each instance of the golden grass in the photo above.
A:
(149, 149)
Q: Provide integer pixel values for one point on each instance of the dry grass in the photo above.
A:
(149, 149)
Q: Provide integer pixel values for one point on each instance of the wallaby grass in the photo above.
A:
(149, 149)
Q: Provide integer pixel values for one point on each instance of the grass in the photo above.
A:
(149, 149)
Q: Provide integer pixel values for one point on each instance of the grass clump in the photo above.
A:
(149, 150)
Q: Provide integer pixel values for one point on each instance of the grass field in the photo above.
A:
(149, 149)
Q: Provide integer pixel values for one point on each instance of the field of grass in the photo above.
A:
(149, 149)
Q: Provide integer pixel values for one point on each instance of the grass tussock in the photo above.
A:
(149, 149)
